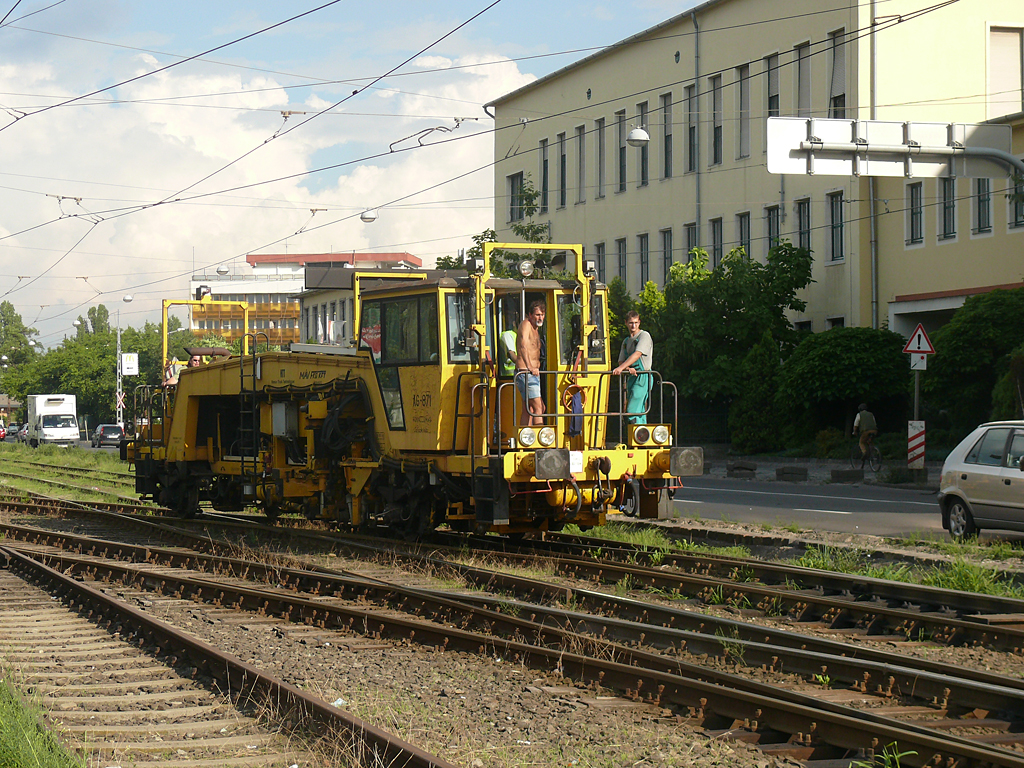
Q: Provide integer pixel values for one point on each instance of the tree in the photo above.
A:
(829, 373)
(712, 318)
(972, 352)
(754, 422)
(505, 263)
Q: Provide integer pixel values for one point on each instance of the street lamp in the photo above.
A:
(127, 299)
(222, 270)
(368, 216)
(638, 137)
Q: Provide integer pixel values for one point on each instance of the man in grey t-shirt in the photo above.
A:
(635, 358)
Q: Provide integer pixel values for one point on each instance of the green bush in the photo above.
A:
(831, 444)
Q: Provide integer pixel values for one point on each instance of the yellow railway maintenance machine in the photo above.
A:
(416, 424)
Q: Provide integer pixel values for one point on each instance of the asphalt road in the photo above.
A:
(845, 508)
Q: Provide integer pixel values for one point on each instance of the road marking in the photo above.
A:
(808, 496)
(828, 511)
(689, 501)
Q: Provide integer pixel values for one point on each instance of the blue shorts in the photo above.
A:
(528, 385)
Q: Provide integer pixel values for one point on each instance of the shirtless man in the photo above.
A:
(528, 366)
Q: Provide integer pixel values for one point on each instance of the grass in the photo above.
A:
(654, 541)
(24, 741)
(958, 574)
(70, 458)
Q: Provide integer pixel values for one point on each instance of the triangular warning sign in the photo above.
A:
(919, 343)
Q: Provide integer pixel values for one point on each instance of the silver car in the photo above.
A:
(982, 484)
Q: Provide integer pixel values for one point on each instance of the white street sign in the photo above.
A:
(919, 343)
(918, 362)
(130, 364)
(829, 147)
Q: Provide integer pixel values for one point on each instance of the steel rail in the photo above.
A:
(857, 586)
(871, 671)
(231, 674)
(637, 672)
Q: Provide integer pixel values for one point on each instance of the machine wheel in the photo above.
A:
(961, 521)
(188, 501)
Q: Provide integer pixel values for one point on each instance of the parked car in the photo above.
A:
(23, 433)
(3, 432)
(982, 483)
(107, 434)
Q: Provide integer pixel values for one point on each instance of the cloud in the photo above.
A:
(63, 170)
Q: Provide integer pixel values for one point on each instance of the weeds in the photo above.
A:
(731, 647)
(890, 758)
(24, 742)
(823, 680)
(624, 585)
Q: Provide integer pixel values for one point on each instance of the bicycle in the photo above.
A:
(873, 459)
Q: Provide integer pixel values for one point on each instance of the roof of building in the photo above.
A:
(614, 47)
(335, 258)
(332, 275)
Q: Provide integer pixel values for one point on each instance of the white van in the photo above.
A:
(52, 420)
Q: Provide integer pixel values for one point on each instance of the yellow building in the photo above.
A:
(704, 82)
(945, 240)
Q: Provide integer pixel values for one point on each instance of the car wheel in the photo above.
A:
(961, 522)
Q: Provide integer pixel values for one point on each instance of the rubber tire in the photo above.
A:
(875, 459)
(961, 521)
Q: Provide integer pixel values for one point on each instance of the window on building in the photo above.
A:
(836, 221)
(620, 250)
(544, 180)
(581, 164)
(666, 254)
(803, 223)
(716, 242)
(620, 124)
(563, 181)
(643, 246)
(305, 324)
(602, 267)
(835, 322)
(715, 84)
(772, 104)
(666, 135)
(743, 111)
(743, 232)
(599, 135)
(1005, 80)
(837, 83)
(802, 326)
(803, 80)
(915, 213)
(645, 149)
(515, 197)
(692, 115)
(773, 225)
(982, 206)
(947, 188)
(692, 240)
(1017, 204)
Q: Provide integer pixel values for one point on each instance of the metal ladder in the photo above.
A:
(249, 415)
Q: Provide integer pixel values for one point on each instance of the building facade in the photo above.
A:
(272, 291)
(702, 84)
(325, 304)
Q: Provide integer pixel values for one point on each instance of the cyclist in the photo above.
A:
(867, 426)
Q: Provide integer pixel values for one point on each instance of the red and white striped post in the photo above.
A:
(915, 445)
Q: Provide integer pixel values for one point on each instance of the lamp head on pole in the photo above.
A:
(127, 298)
(222, 270)
(368, 216)
(76, 323)
(638, 137)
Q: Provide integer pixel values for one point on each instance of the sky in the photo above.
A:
(142, 141)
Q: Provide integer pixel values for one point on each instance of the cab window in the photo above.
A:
(459, 317)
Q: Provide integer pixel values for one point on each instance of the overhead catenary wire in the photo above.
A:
(461, 175)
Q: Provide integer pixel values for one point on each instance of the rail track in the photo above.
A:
(764, 713)
(131, 688)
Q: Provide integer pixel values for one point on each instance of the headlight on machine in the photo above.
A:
(641, 435)
(660, 434)
(546, 436)
(527, 437)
